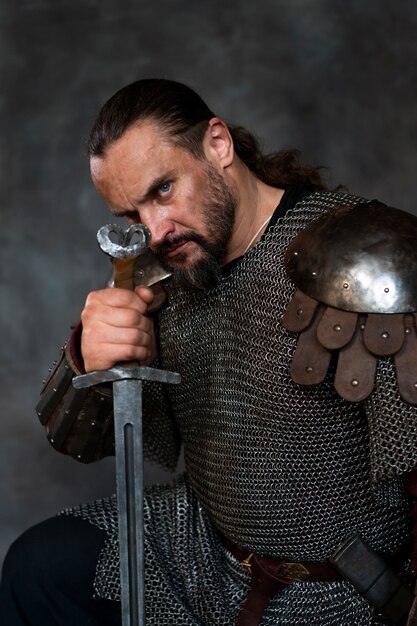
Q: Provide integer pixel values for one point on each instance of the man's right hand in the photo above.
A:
(116, 328)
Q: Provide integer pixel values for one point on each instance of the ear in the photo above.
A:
(218, 143)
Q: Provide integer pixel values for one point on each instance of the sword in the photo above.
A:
(133, 264)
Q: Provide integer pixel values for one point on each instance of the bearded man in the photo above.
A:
(278, 473)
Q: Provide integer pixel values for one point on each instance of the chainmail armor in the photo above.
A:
(393, 440)
(197, 581)
(280, 469)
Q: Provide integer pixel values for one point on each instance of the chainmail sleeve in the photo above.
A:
(392, 426)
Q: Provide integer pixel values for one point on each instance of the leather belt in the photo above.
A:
(270, 576)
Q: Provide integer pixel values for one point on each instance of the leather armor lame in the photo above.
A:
(356, 275)
(77, 422)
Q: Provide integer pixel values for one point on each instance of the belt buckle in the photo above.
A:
(247, 562)
(294, 571)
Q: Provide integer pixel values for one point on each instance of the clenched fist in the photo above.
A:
(116, 328)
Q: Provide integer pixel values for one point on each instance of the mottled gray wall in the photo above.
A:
(336, 78)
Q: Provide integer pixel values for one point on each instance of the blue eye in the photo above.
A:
(164, 188)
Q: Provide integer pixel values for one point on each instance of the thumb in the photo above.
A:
(157, 293)
(145, 294)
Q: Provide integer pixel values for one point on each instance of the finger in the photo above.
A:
(112, 335)
(115, 317)
(105, 359)
(145, 294)
(118, 298)
(159, 297)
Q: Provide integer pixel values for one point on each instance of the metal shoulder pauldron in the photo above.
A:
(355, 270)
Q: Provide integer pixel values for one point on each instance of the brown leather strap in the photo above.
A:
(270, 576)
(264, 585)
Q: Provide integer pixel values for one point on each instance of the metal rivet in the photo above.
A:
(337, 327)
(296, 253)
(51, 440)
(66, 367)
(67, 412)
(78, 456)
(386, 289)
(102, 399)
(354, 382)
(362, 326)
(309, 369)
(345, 285)
(300, 312)
(39, 414)
(314, 274)
(44, 381)
(55, 362)
(407, 331)
(54, 389)
(385, 335)
(93, 423)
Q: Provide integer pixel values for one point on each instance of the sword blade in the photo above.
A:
(127, 409)
(127, 402)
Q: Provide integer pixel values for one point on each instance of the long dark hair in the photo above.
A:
(183, 116)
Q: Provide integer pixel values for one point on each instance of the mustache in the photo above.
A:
(177, 240)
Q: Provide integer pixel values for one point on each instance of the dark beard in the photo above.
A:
(218, 218)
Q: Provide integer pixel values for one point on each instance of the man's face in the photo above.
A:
(185, 202)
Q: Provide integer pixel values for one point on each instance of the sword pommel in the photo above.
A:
(134, 263)
(125, 244)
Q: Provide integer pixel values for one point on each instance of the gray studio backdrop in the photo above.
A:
(336, 78)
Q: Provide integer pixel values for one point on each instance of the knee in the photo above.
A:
(27, 556)
(20, 569)
(55, 551)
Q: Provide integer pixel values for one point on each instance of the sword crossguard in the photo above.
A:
(123, 247)
(125, 373)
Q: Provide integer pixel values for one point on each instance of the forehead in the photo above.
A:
(141, 141)
(130, 165)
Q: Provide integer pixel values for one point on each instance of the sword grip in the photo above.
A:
(124, 273)
(124, 277)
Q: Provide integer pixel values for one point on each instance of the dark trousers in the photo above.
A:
(48, 577)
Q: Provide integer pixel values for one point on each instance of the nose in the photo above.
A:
(159, 225)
